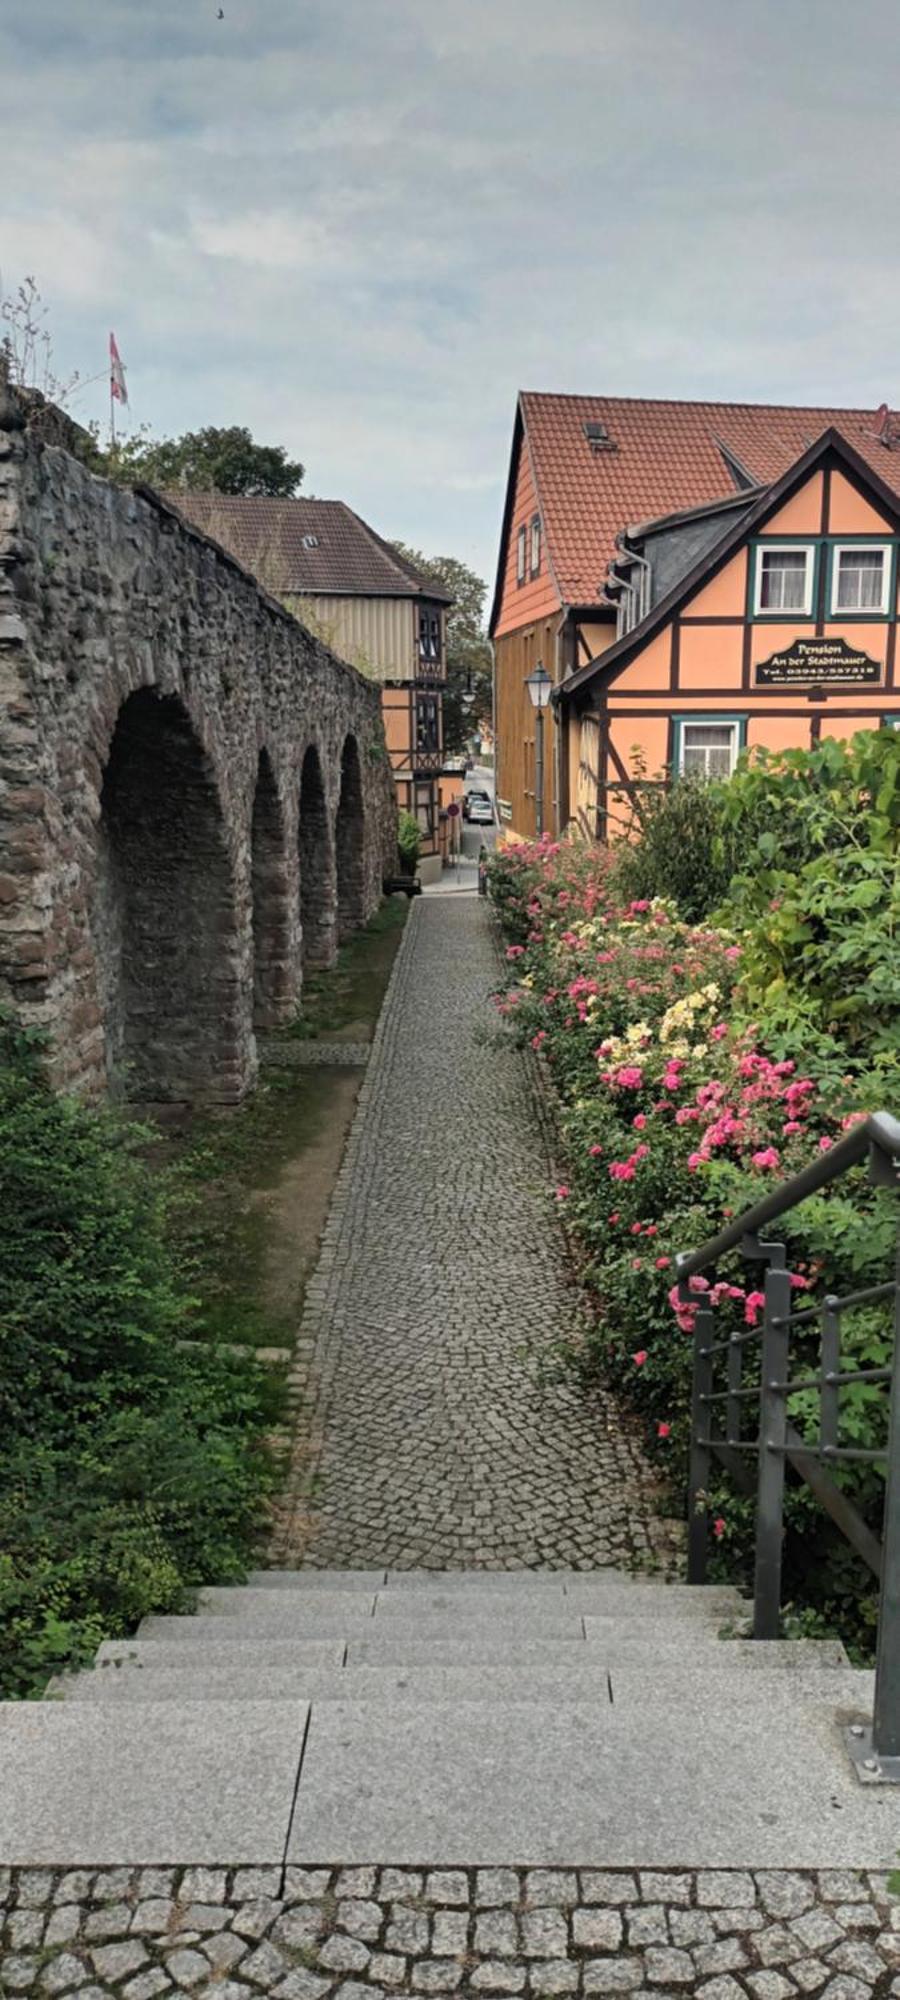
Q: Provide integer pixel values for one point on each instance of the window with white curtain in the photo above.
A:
(859, 578)
(784, 579)
(709, 749)
(521, 545)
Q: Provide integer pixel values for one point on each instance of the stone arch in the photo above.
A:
(272, 980)
(318, 892)
(164, 924)
(350, 842)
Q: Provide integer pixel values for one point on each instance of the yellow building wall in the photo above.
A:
(378, 635)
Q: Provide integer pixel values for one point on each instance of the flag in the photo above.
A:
(117, 386)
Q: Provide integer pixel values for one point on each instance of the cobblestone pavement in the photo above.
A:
(280, 1053)
(367, 1933)
(443, 1433)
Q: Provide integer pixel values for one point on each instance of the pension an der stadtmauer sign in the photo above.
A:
(819, 660)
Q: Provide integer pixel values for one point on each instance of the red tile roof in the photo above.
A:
(305, 548)
(667, 456)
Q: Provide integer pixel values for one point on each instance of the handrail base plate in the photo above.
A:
(869, 1767)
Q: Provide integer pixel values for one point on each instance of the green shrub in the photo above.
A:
(409, 840)
(677, 847)
(133, 1467)
(817, 895)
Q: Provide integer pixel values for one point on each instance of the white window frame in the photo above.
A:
(686, 722)
(784, 612)
(883, 549)
(522, 554)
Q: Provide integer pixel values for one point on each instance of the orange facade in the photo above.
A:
(619, 510)
(791, 635)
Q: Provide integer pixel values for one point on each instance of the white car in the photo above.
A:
(481, 811)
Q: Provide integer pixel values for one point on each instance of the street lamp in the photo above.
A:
(539, 685)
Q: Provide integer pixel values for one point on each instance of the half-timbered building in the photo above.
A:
(694, 578)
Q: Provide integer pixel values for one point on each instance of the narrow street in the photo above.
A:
(445, 1432)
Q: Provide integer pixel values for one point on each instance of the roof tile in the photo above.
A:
(305, 548)
(663, 456)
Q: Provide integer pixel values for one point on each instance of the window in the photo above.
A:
(890, 721)
(707, 749)
(860, 578)
(428, 728)
(429, 638)
(520, 554)
(784, 580)
(535, 545)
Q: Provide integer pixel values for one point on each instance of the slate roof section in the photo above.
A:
(306, 548)
(659, 458)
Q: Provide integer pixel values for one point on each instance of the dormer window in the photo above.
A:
(535, 545)
(860, 578)
(521, 550)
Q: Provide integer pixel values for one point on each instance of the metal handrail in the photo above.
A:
(879, 1132)
(776, 1442)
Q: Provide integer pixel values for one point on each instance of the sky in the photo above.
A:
(362, 226)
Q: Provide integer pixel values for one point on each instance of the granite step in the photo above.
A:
(588, 1678)
(757, 1784)
(320, 1612)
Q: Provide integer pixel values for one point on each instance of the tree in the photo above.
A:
(467, 694)
(208, 461)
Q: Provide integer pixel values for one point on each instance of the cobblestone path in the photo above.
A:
(444, 1434)
(368, 1933)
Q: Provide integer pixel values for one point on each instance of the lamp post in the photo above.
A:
(539, 685)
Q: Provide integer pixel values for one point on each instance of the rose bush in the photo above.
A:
(675, 1113)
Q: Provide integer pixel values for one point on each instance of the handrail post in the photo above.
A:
(886, 1715)
(772, 1441)
(701, 1431)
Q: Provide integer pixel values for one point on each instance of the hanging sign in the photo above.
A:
(819, 660)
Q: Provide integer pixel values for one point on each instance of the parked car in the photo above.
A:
(470, 797)
(481, 809)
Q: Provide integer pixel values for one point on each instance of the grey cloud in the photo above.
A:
(361, 226)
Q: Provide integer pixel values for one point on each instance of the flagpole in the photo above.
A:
(112, 412)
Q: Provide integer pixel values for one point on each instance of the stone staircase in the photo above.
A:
(459, 1719)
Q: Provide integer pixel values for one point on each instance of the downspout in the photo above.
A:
(642, 563)
(494, 730)
(560, 780)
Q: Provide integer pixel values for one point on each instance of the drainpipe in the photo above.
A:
(560, 779)
(494, 731)
(641, 591)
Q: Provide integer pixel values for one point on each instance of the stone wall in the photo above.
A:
(195, 799)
